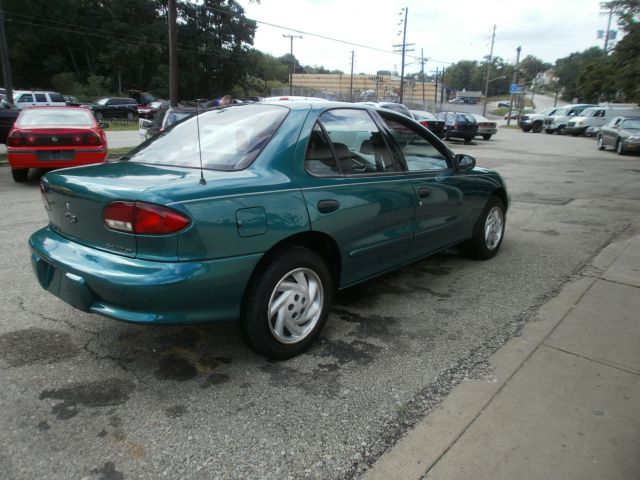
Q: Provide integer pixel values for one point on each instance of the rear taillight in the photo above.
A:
(15, 139)
(144, 218)
(88, 138)
(424, 123)
(91, 138)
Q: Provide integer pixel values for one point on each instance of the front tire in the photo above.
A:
(130, 115)
(99, 116)
(486, 137)
(287, 303)
(488, 231)
(601, 145)
(20, 175)
(526, 128)
(620, 147)
(537, 127)
(548, 131)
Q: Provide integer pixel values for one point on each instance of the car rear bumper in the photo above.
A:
(140, 291)
(25, 158)
(575, 130)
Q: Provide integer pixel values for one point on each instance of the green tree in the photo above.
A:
(625, 59)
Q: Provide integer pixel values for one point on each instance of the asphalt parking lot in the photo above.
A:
(86, 397)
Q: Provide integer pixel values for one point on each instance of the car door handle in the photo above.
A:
(424, 192)
(328, 206)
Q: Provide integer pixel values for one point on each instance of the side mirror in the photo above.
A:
(464, 162)
(103, 125)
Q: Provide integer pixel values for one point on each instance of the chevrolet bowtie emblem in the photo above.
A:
(54, 139)
(68, 215)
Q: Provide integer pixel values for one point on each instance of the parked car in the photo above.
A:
(148, 111)
(29, 98)
(599, 116)
(260, 213)
(54, 137)
(486, 128)
(459, 125)
(429, 120)
(396, 107)
(457, 100)
(112, 107)
(8, 115)
(163, 119)
(534, 121)
(504, 104)
(558, 121)
(142, 98)
(622, 133)
(71, 101)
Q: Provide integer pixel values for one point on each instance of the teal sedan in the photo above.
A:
(260, 213)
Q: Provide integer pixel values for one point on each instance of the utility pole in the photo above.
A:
(4, 57)
(173, 55)
(435, 93)
(606, 36)
(422, 75)
(404, 49)
(515, 78)
(486, 85)
(351, 81)
(293, 64)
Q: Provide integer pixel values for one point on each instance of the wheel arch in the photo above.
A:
(501, 193)
(320, 243)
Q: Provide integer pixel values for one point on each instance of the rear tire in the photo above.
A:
(561, 131)
(601, 145)
(130, 115)
(20, 175)
(468, 139)
(99, 115)
(537, 127)
(488, 231)
(286, 303)
(486, 137)
(548, 131)
(526, 128)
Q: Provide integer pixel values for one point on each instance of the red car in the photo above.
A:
(54, 137)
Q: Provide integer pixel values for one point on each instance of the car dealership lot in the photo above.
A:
(84, 396)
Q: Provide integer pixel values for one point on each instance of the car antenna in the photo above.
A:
(202, 180)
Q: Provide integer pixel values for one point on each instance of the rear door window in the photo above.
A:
(41, 98)
(56, 97)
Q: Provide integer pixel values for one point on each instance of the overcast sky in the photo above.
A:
(448, 31)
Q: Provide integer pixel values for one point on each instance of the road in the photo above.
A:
(86, 397)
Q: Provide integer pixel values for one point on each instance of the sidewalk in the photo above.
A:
(565, 399)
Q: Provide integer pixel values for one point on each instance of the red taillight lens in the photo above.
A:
(144, 218)
(30, 139)
(92, 139)
(15, 139)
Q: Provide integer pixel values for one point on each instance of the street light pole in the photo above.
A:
(515, 77)
(292, 69)
(486, 86)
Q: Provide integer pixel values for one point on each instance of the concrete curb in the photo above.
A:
(431, 439)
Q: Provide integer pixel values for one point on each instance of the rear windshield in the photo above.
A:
(56, 117)
(230, 138)
(465, 118)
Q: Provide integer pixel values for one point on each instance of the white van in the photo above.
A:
(28, 98)
(593, 117)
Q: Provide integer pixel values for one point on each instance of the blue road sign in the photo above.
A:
(515, 88)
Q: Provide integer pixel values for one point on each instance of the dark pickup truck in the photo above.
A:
(8, 115)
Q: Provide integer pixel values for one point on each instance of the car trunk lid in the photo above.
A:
(75, 200)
